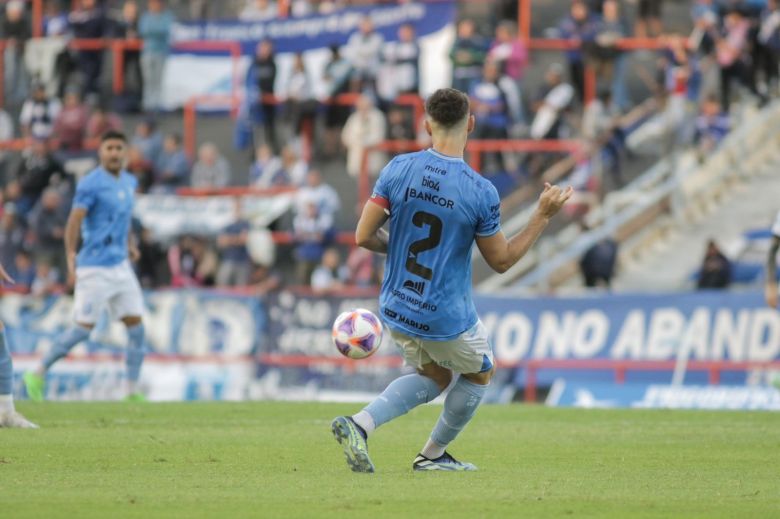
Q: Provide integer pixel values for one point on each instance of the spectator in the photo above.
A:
(192, 263)
(336, 78)
(259, 11)
(554, 98)
(301, 103)
(11, 234)
(45, 282)
(263, 73)
(139, 166)
(23, 272)
(148, 140)
(294, 168)
(39, 113)
(601, 128)
(212, 169)
(6, 134)
(55, 20)
(71, 123)
(360, 265)
(650, 20)
(579, 27)
(312, 232)
(365, 128)
(154, 28)
(318, 193)
(609, 60)
(102, 121)
(731, 52)
(401, 65)
(266, 171)
(16, 31)
(598, 264)
(235, 265)
(173, 167)
(468, 55)
(264, 280)
(768, 48)
(151, 267)
(715, 271)
(36, 170)
(89, 22)
(47, 223)
(330, 276)
(509, 51)
(399, 127)
(712, 126)
(363, 51)
(491, 98)
(127, 28)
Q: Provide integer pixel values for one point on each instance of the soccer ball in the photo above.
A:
(357, 333)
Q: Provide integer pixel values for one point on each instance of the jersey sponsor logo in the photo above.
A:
(434, 169)
(418, 287)
(407, 321)
(414, 303)
(430, 183)
(412, 193)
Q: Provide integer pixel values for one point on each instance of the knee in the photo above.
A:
(442, 376)
(131, 321)
(483, 379)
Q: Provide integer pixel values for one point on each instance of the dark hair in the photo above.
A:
(175, 137)
(447, 107)
(112, 135)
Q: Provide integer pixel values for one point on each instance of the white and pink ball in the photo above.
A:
(357, 333)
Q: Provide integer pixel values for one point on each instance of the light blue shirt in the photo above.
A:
(108, 201)
(438, 205)
(155, 30)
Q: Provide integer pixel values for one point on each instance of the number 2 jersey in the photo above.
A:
(437, 205)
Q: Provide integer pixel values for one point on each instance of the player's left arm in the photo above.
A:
(132, 247)
(369, 233)
(770, 290)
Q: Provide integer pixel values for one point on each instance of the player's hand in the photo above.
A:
(770, 295)
(552, 199)
(4, 275)
(135, 254)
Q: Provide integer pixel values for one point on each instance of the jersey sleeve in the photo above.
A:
(776, 226)
(85, 195)
(489, 219)
(382, 188)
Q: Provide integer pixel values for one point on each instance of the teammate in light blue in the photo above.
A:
(9, 417)
(103, 276)
(438, 207)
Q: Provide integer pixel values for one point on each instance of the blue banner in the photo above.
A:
(320, 31)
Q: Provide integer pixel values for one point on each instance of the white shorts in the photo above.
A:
(470, 352)
(115, 289)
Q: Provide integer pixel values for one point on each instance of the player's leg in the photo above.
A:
(128, 304)
(400, 397)
(8, 415)
(471, 356)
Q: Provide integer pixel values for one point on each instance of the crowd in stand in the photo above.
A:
(59, 107)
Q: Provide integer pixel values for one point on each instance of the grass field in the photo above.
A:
(279, 460)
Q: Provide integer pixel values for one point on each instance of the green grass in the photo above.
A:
(279, 460)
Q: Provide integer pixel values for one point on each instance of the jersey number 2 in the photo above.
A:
(421, 219)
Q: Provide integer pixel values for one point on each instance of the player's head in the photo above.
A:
(448, 114)
(113, 151)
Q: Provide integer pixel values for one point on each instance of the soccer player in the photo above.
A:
(103, 277)
(8, 415)
(438, 207)
(770, 290)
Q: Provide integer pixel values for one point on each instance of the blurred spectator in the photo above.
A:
(35, 172)
(47, 223)
(318, 193)
(71, 123)
(467, 55)
(211, 169)
(330, 275)
(312, 232)
(55, 19)
(11, 234)
(336, 78)
(173, 167)
(601, 128)
(650, 20)
(364, 128)
(294, 168)
(712, 126)
(102, 121)
(89, 21)
(126, 28)
(400, 71)
(609, 61)
(154, 28)
(6, 134)
(192, 263)
(148, 140)
(235, 264)
(266, 170)
(578, 27)
(259, 11)
(509, 51)
(732, 56)
(45, 282)
(263, 72)
(23, 272)
(363, 50)
(264, 280)
(768, 47)
(360, 266)
(598, 264)
(139, 166)
(300, 8)
(16, 32)
(491, 99)
(151, 267)
(39, 113)
(300, 103)
(555, 96)
(399, 127)
(715, 271)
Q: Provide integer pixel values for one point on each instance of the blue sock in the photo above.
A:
(135, 352)
(400, 397)
(64, 344)
(459, 406)
(6, 367)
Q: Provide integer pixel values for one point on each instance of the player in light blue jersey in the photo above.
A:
(101, 271)
(438, 207)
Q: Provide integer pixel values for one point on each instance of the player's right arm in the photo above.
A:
(770, 291)
(501, 254)
(72, 236)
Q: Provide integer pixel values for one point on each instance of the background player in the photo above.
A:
(8, 415)
(103, 277)
(438, 207)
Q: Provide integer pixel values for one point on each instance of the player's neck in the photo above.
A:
(451, 147)
(113, 173)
